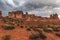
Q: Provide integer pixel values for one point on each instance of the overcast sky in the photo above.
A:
(38, 7)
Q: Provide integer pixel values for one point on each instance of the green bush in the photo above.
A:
(58, 34)
(6, 37)
(8, 27)
(48, 29)
(56, 29)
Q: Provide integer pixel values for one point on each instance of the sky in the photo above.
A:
(37, 7)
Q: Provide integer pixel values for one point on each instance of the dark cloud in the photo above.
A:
(37, 4)
(38, 7)
(1, 6)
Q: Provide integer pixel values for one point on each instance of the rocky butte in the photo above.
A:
(19, 26)
(21, 15)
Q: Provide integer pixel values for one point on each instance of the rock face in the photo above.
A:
(15, 14)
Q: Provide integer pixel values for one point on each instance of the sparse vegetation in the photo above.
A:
(33, 28)
(28, 28)
(40, 26)
(8, 27)
(39, 31)
(12, 23)
(33, 36)
(6, 37)
(48, 29)
(36, 36)
(56, 29)
(22, 26)
(58, 34)
(42, 36)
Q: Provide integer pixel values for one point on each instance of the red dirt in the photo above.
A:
(22, 34)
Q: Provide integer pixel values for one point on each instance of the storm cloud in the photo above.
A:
(38, 7)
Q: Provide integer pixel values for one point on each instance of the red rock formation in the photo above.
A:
(31, 17)
(15, 14)
(54, 16)
(19, 14)
(11, 15)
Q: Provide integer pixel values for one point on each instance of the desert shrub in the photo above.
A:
(40, 26)
(33, 36)
(56, 29)
(48, 29)
(42, 36)
(11, 23)
(6, 37)
(49, 26)
(58, 34)
(8, 27)
(21, 26)
(28, 28)
(33, 28)
(18, 24)
(36, 36)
